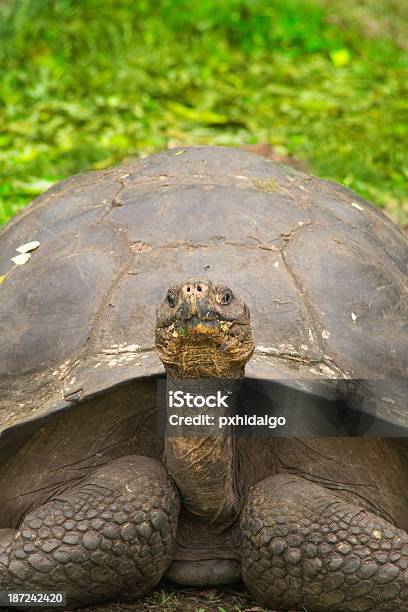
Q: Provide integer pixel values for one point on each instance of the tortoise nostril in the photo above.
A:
(198, 288)
(188, 289)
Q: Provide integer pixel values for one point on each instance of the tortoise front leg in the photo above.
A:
(304, 547)
(110, 536)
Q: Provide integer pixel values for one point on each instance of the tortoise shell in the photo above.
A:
(323, 272)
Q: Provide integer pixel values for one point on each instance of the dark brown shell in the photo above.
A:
(323, 272)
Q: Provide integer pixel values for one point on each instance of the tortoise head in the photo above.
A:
(203, 330)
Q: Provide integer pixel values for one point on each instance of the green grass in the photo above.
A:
(87, 83)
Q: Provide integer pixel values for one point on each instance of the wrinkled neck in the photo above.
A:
(202, 460)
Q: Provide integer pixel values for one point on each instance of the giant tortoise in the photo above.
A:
(94, 500)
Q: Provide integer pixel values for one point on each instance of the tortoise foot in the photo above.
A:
(112, 536)
(304, 547)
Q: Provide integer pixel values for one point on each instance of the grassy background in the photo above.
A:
(87, 83)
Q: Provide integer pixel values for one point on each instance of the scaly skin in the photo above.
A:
(111, 536)
(305, 547)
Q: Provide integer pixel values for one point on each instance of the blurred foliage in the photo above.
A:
(86, 83)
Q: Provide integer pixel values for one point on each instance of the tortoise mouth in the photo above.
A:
(210, 319)
(198, 326)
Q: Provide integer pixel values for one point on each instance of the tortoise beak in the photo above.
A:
(198, 326)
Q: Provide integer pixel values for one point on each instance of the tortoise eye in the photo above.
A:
(171, 298)
(226, 297)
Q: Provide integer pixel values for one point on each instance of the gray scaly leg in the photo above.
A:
(112, 536)
(304, 546)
